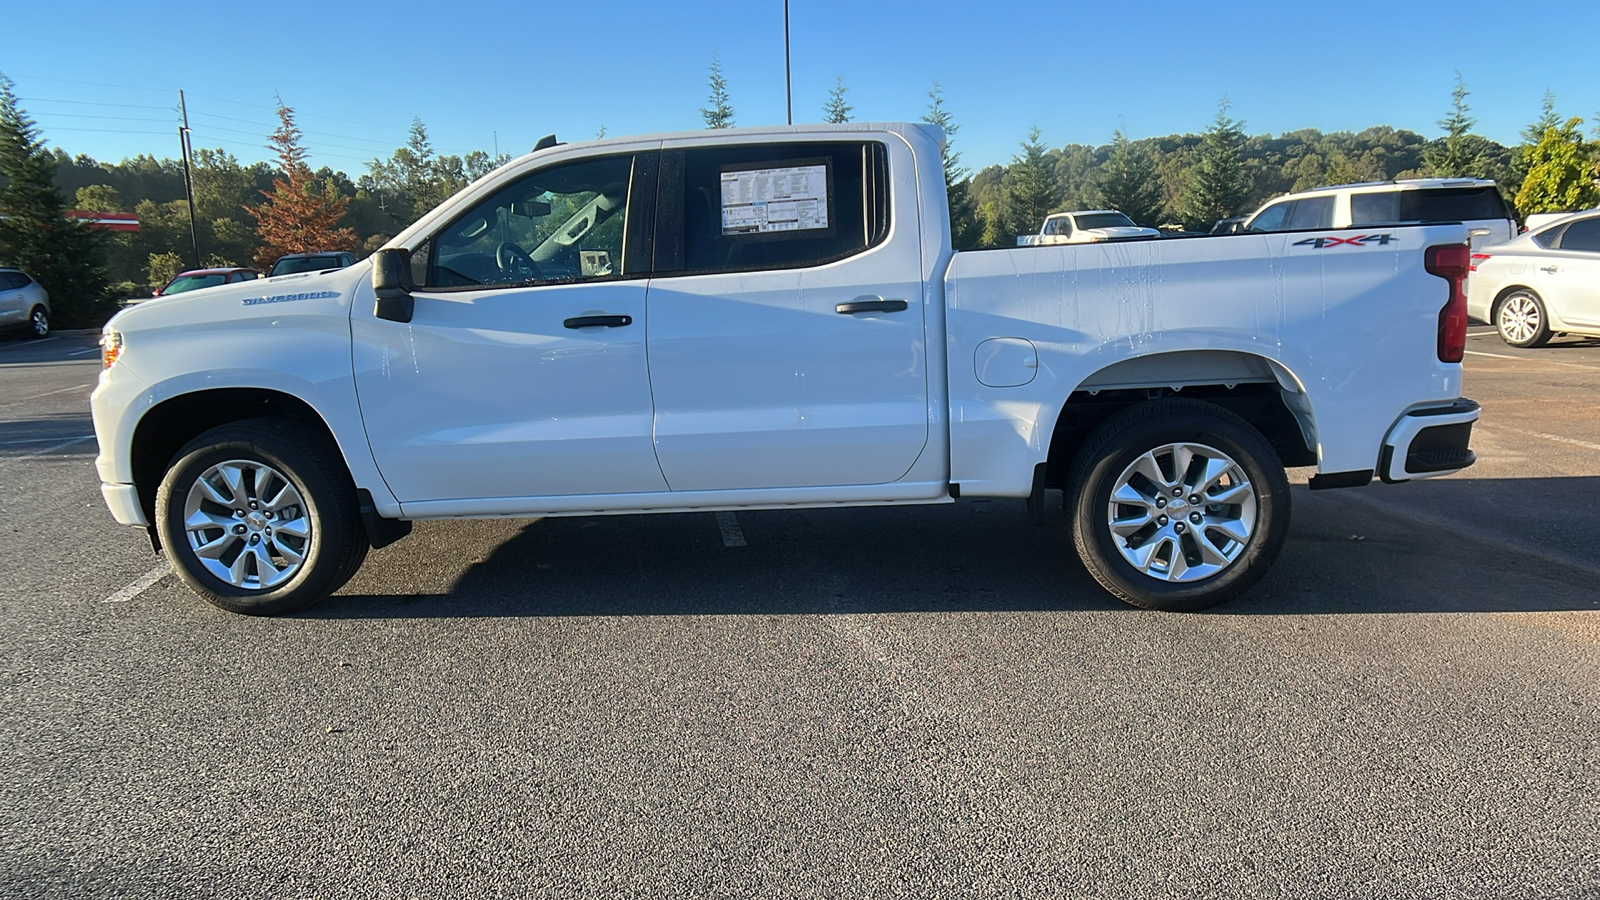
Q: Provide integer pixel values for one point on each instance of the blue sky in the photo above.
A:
(102, 78)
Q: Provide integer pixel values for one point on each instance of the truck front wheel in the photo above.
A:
(1177, 505)
(260, 517)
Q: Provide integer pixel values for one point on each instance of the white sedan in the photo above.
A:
(1540, 284)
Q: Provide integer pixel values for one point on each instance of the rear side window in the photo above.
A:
(1451, 205)
(1312, 212)
(771, 206)
(1583, 236)
(1375, 208)
(10, 281)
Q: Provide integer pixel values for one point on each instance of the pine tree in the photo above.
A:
(1522, 157)
(1455, 155)
(1218, 183)
(836, 111)
(299, 216)
(720, 114)
(1561, 172)
(1127, 182)
(1033, 183)
(965, 229)
(66, 257)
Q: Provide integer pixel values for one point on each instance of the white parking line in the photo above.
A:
(728, 523)
(46, 394)
(46, 451)
(138, 585)
(1549, 437)
(83, 351)
(23, 344)
(1536, 359)
(1495, 355)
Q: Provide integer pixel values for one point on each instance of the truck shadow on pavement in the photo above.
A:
(1455, 545)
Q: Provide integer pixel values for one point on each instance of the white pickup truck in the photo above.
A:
(1086, 227)
(774, 318)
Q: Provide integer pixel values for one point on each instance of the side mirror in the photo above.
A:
(391, 282)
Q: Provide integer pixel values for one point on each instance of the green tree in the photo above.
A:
(1033, 183)
(1218, 184)
(1127, 182)
(964, 226)
(720, 113)
(1561, 172)
(1455, 155)
(836, 111)
(65, 256)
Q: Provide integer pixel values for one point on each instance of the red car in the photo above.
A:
(203, 278)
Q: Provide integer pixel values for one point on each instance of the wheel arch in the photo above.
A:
(1262, 391)
(166, 427)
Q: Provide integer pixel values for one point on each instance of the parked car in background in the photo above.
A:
(1540, 284)
(292, 263)
(1086, 227)
(1536, 221)
(196, 279)
(1230, 225)
(1474, 202)
(23, 303)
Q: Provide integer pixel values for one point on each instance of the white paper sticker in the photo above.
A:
(760, 201)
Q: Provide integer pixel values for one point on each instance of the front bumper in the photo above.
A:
(1426, 443)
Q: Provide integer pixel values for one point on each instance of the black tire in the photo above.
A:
(1115, 446)
(38, 322)
(1515, 312)
(335, 542)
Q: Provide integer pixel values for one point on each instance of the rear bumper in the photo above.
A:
(1426, 443)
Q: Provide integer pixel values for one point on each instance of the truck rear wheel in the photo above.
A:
(260, 517)
(1177, 505)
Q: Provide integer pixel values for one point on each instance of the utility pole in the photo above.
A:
(188, 177)
(788, 88)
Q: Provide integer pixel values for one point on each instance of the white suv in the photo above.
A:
(1474, 202)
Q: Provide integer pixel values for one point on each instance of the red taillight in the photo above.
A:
(1451, 262)
(1477, 260)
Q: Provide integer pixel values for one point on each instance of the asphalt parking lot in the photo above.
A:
(919, 702)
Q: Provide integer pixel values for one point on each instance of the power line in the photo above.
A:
(107, 130)
(90, 103)
(107, 118)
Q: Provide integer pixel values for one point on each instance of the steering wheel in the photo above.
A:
(514, 260)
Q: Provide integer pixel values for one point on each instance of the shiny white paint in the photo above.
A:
(751, 391)
(759, 382)
(1353, 327)
(208, 340)
(486, 394)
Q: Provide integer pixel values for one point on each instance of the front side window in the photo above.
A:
(561, 224)
(777, 206)
(1583, 236)
(1273, 218)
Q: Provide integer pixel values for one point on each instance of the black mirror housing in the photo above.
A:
(392, 285)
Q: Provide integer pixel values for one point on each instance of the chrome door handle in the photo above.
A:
(871, 304)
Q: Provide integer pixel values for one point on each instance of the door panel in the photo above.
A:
(759, 381)
(489, 394)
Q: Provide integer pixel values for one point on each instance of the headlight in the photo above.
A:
(110, 347)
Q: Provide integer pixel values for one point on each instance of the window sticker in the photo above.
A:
(776, 199)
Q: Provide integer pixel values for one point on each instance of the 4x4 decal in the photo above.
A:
(1357, 241)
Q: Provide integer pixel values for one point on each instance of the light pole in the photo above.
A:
(788, 87)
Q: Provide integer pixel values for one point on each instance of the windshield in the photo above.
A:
(1105, 220)
(194, 282)
(290, 266)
